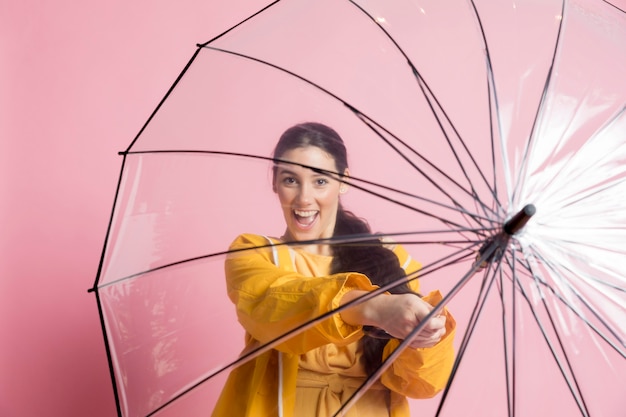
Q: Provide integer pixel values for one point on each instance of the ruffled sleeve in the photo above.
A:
(422, 372)
(271, 300)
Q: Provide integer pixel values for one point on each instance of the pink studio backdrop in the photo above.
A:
(77, 82)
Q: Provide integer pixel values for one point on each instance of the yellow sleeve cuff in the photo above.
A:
(353, 281)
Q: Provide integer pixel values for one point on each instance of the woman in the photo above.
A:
(277, 288)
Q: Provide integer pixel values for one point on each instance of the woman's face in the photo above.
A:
(309, 199)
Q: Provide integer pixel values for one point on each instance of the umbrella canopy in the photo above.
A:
(455, 117)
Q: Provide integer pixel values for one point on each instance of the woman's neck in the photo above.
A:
(316, 249)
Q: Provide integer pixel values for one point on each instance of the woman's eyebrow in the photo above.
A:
(317, 172)
(286, 171)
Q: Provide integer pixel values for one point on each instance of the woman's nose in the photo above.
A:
(304, 194)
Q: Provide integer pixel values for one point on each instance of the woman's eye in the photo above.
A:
(289, 180)
(322, 181)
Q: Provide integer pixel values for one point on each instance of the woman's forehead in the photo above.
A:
(304, 157)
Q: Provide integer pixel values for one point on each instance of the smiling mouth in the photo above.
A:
(305, 218)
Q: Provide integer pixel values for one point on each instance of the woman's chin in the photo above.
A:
(300, 232)
(302, 235)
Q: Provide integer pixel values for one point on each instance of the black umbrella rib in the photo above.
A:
(563, 367)
(362, 116)
(430, 97)
(551, 266)
(481, 300)
(105, 335)
(491, 91)
(445, 221)
(427, 94)
(370, 123)
(185, 68)
(339, 178)
(108, 232)
(509, 363)
(524, 166)
(332, 240)
(107, 346)
(331, 173)
(251, 354)
(182, 73)
(575, 311)
(386, 363)
(614, 6)
(589, 165)
(167, 94)
(573, 386)
(457, 207)
(238, 24)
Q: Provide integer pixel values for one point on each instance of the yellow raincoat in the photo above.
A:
(271, 297)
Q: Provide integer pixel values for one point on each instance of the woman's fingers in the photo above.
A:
(407, 312)
(398, 315)
(426, 338)
(436, 323)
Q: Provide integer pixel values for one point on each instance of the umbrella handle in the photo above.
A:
(517, 222)
(510, 228)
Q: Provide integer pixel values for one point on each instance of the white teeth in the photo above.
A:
(305, 213)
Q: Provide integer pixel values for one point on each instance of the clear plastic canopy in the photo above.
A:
(456, 115)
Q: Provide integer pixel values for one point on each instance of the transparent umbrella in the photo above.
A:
(489, 138)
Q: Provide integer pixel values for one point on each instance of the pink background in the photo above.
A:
(78, 80)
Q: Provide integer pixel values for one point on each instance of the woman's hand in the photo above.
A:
(398, 315)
